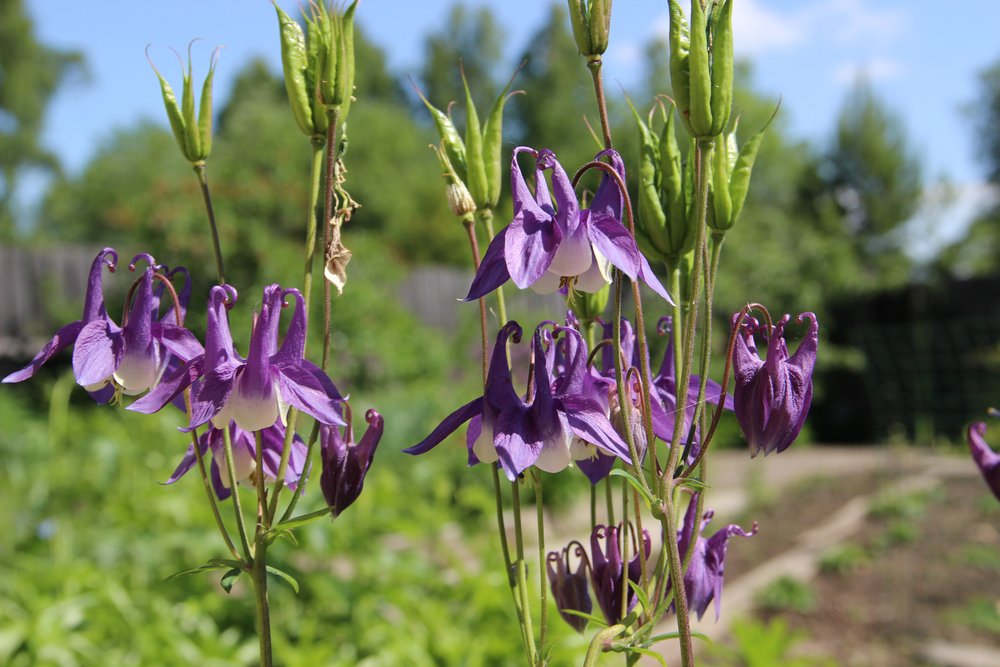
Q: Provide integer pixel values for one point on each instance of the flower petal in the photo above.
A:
(306, 387)
(448, 426)
(492, 271)
(62, 339)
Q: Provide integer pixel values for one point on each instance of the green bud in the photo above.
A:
(591, 22)
(193, 131)
(476, 159)
(460, 201)
(731, 170)
(318, 64)
(701, 65)
(295, 65)
(664, 223)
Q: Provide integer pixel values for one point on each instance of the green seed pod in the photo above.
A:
(699, 63)
(475, 170)
(295, 65)
(600, 26)
(722, 66)
(450, 138)
(193, 131)
(680, 53)
(731, 170)
(588, 306)
(722, 203)
(579, 18)
(347, 83)
(492, 144)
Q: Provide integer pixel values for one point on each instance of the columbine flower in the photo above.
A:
(520, 433)
(569, 589)
(772, 397)
(245, 457)
(93, 311)
(345, 463)
(134, 356)
(703, 579)
(256, 391)
(546, 247)
(987, 460)
(607, 570)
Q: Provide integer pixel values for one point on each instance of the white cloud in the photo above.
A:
(873, 70)
(758, 29)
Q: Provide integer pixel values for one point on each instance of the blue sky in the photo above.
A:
(922, 59)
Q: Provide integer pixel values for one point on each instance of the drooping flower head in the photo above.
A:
(134, 356)
(552, 243)
(704, 576)
(255, 391)
(986, 459)
(570, 589)
(345, 462)
(608, 571)
(521, 432)
(772, 396)
(93, 310)
(245, 457)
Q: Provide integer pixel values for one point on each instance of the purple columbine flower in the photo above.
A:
(256, 391)
(520, 433)
(772, 397)
(608, 570)
(987, 460)
(93, 311)
(548, 246)
(135, 355)
(345, 463)
(245, 457)
(704, 576)
(570, 589)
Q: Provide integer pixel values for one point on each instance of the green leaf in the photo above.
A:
(229, 578)
(288, 579)
(213, 564)
(645, 651)
(636, 484)
(694, 483)
(301, 520)
(641, 594)
(674, 635)
(590, 617)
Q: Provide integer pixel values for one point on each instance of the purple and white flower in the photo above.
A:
(986, 459)
(345, 462)
(521, 433)
(552, 243)
(255, 391)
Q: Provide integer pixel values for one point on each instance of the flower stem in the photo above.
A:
(199, 170)
(594, 65)
(540, 518)
(259, 572)
(521, 579)
(486, 216)
(474, 249)
(234, 492)
(600, 642)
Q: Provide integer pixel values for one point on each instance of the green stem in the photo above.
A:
(259, 572)
(234, 493)
(594, 65)
(521, 579)
(540, 518)
(600, 643)
(200, 171)
(593, 505)
(609, 501)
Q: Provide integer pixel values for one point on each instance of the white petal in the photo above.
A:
(547, 284)
(483, 447)
(597, 276)
(555, 454)
(573, 256)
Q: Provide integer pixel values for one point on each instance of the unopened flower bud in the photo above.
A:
(591, 21)
(459, 200)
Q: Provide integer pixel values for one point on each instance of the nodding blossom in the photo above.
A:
(704, 576)
(345, 462)
(255, 391)
(244, 446)
(570, 589)
(772, 396)
(552, 243)
(608, 570)
(131, 357)
(536, 431)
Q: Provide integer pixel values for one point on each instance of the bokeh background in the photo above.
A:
(873, 204)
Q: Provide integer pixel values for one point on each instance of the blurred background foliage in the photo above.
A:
(90, 537)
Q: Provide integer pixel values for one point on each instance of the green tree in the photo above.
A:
(30, 73)
(473, 38)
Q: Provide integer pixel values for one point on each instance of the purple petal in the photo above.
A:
(62, 339)
(518, 439)
(97, 352)
(530, 245)
(448, 426)
(587, 420)
(986, 459)
(294, 346)
(93, 303)
(306, 387)
(647, 276)
(614, 242)
(492, 271)
(169, 387)
(210, 395)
